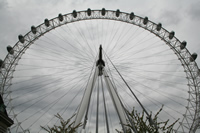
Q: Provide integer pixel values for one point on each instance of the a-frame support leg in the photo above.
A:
(116, 101)
(86, 97)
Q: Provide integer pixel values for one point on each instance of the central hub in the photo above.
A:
(100, 63)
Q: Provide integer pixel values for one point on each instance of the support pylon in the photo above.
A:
(83, 109)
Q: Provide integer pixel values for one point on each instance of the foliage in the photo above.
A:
(65, 127)
(140, 122)
(144, 124)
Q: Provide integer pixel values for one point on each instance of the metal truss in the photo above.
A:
(191, 118)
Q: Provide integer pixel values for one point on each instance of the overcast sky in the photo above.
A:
(183, 16)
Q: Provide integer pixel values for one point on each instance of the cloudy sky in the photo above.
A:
(17, 16)
(180, 16)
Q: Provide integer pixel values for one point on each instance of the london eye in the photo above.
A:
(95, 64)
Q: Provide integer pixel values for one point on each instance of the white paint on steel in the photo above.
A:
(115, 98)
(86, 98)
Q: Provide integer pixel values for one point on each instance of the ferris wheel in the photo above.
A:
(95, 63)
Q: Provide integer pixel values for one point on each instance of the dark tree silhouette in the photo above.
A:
(65, 126)
(143, 124)
(140, 123)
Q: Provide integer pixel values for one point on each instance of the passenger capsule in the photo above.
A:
(132, 15)
(1, 64)
(60, 17)
(171, 34)
(89, 12)
(21, 38)
(183, 45)
(74, 13)
(103, 11)
(33, 29)
(193, 57)
(117, 13)
(158, 27)
(46, 22)
(10, 50)
(145, 20)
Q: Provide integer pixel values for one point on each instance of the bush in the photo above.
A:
(144, 124)
(65, 127)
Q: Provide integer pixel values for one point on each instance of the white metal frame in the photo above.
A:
(191, 68)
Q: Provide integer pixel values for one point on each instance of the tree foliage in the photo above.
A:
(143, 124)
(65, 126)
(140, 123)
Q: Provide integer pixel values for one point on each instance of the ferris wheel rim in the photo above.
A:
(190, 69)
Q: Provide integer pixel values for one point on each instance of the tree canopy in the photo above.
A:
(137, 122)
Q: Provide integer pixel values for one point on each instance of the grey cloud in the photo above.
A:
(9, 36)
(194, 11)
(3, 4)
(170, 17)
